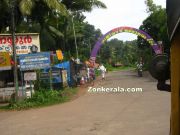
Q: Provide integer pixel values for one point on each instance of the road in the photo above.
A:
(100, 113)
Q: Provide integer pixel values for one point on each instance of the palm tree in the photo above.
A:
(26, 6)
(76, 8)
(46, 13)
(83, 5)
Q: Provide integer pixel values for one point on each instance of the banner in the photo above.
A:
(5, 61)
(64, 78)
(23, 42)
(59, 54)
(34, 61)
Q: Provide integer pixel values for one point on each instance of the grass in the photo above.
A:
(42, 98)
(46, 97)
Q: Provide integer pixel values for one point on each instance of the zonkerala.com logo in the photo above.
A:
(113, 90)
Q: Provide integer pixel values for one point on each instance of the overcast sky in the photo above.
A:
(120, 13)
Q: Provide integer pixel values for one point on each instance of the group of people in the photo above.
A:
(84, 72)
(87, 74)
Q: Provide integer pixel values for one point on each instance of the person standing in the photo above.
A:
(92, 75)
(88, 73)
(103, 71)
(140, 69)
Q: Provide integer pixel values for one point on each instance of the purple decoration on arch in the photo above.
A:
(115, 31)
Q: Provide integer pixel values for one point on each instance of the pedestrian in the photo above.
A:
(78, 78)
(92, 75)
(88, 73)
(103, 71)
(140, 69)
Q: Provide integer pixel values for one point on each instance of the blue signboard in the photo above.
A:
(34, 61)
(56, 76)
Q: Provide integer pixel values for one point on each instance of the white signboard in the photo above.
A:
(30, 76)
(23, 42)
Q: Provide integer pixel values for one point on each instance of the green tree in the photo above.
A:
(52, 20)
(117, 51)
(155, 25)
(4, 15)
(28, 6)
(85, 41)
(151, 7)
(83, 5)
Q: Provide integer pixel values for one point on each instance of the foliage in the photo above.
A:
(54, 20)
(44, 98)
(155, 25)
(151, 7)
(116, 51)
(26, 6)
(83, 5)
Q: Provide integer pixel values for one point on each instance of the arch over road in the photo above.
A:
(115, 31)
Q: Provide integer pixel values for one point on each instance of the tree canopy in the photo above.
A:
(155, 25)
(54, 20)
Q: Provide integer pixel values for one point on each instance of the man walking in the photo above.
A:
(103, 71)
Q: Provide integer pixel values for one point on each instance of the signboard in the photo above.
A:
(59, 54)
(56, 76)
(44, 76)
(5, 62)
(64, 78)
(34, 61)
(30, 76)
(23, 41)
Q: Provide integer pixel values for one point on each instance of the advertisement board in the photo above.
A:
(23, 41)
(64, 78)
(55, 74)
(34, 61)
(5, 61)
(30, 76)
(59, 54)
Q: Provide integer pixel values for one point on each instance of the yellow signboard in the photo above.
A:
(5, 61)
(59, 54)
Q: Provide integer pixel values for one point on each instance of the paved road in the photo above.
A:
(125, 113)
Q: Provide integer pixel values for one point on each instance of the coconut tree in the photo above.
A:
(83, 5)
(76, 8)
(26, 6)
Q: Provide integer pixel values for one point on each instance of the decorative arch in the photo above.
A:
(115, 31)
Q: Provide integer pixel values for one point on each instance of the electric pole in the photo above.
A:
(13, 3)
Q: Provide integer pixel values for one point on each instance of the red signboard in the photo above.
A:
(23, 42)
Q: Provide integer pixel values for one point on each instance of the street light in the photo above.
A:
(13, 3)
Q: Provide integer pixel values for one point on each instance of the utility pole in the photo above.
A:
(13, 3)
(77, 57)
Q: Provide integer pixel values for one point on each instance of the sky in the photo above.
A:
(120, 13)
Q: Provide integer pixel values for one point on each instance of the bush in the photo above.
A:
(44, 98)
